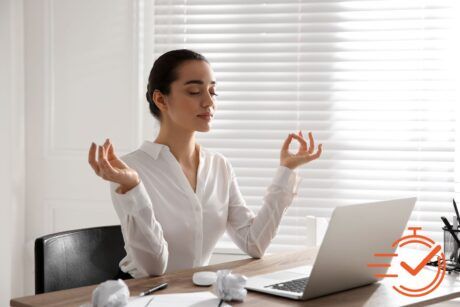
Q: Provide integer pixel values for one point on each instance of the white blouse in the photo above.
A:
(167, 227)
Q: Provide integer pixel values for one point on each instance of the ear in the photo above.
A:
(160, 100)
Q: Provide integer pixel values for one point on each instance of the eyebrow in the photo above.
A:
(197, 82)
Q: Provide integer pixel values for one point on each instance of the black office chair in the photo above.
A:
(78, 258)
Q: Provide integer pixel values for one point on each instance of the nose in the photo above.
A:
(208, 101)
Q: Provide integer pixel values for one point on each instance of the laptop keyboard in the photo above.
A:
(296, 285)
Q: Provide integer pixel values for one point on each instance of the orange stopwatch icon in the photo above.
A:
(434, 249)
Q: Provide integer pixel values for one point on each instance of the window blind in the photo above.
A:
(371, 79)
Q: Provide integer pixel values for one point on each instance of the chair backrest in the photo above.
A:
(78, 258)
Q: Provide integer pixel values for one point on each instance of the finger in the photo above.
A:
(303, 143)
(99, 153)
(100, 156)
(302, 147)
(104, 150)
(312, 143)
(112, 156)
(286, 143)
(105, 147)
(317, 154)
(92, 158)
(111, 152)
(92, 153)
(107, 170)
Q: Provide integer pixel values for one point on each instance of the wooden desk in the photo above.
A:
(378, 294)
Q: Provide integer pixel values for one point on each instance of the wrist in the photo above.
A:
(123, 188)
(291, 167)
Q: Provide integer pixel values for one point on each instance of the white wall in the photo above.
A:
(82, 82)
(12, 150)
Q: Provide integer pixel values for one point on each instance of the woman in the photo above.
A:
(174, 198)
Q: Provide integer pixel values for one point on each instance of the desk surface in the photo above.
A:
(378, 294)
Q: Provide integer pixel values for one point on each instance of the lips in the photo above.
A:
(206, 116)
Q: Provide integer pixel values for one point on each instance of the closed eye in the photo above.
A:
(197, 93)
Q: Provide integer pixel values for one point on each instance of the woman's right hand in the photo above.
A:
(109, 167)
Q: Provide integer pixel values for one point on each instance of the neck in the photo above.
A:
(181, 144)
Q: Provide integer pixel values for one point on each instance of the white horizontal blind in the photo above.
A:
(371, 79)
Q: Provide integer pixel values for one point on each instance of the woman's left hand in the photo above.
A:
(305, 153)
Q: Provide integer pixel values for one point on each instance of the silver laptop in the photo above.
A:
(354, 234)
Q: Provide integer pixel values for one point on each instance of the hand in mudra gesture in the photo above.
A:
(305, 153)
(111, 168)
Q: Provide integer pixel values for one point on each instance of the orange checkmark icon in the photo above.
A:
(422, 263)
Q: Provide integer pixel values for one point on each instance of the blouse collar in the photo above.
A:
(153, 149)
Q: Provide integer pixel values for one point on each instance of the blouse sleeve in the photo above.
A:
(143, 234)
(253, 233)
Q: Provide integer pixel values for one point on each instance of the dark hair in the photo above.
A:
(164, 72)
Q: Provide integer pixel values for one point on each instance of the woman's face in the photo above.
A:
(191, 101)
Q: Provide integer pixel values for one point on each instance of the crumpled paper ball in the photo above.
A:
(230, 286)
(111, 293)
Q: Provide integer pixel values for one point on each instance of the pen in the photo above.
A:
(456, 211)
(156, 288)
(449, 228)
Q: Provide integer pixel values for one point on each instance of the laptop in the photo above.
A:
(354, 234)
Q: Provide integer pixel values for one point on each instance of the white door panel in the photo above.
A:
(83, 80)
